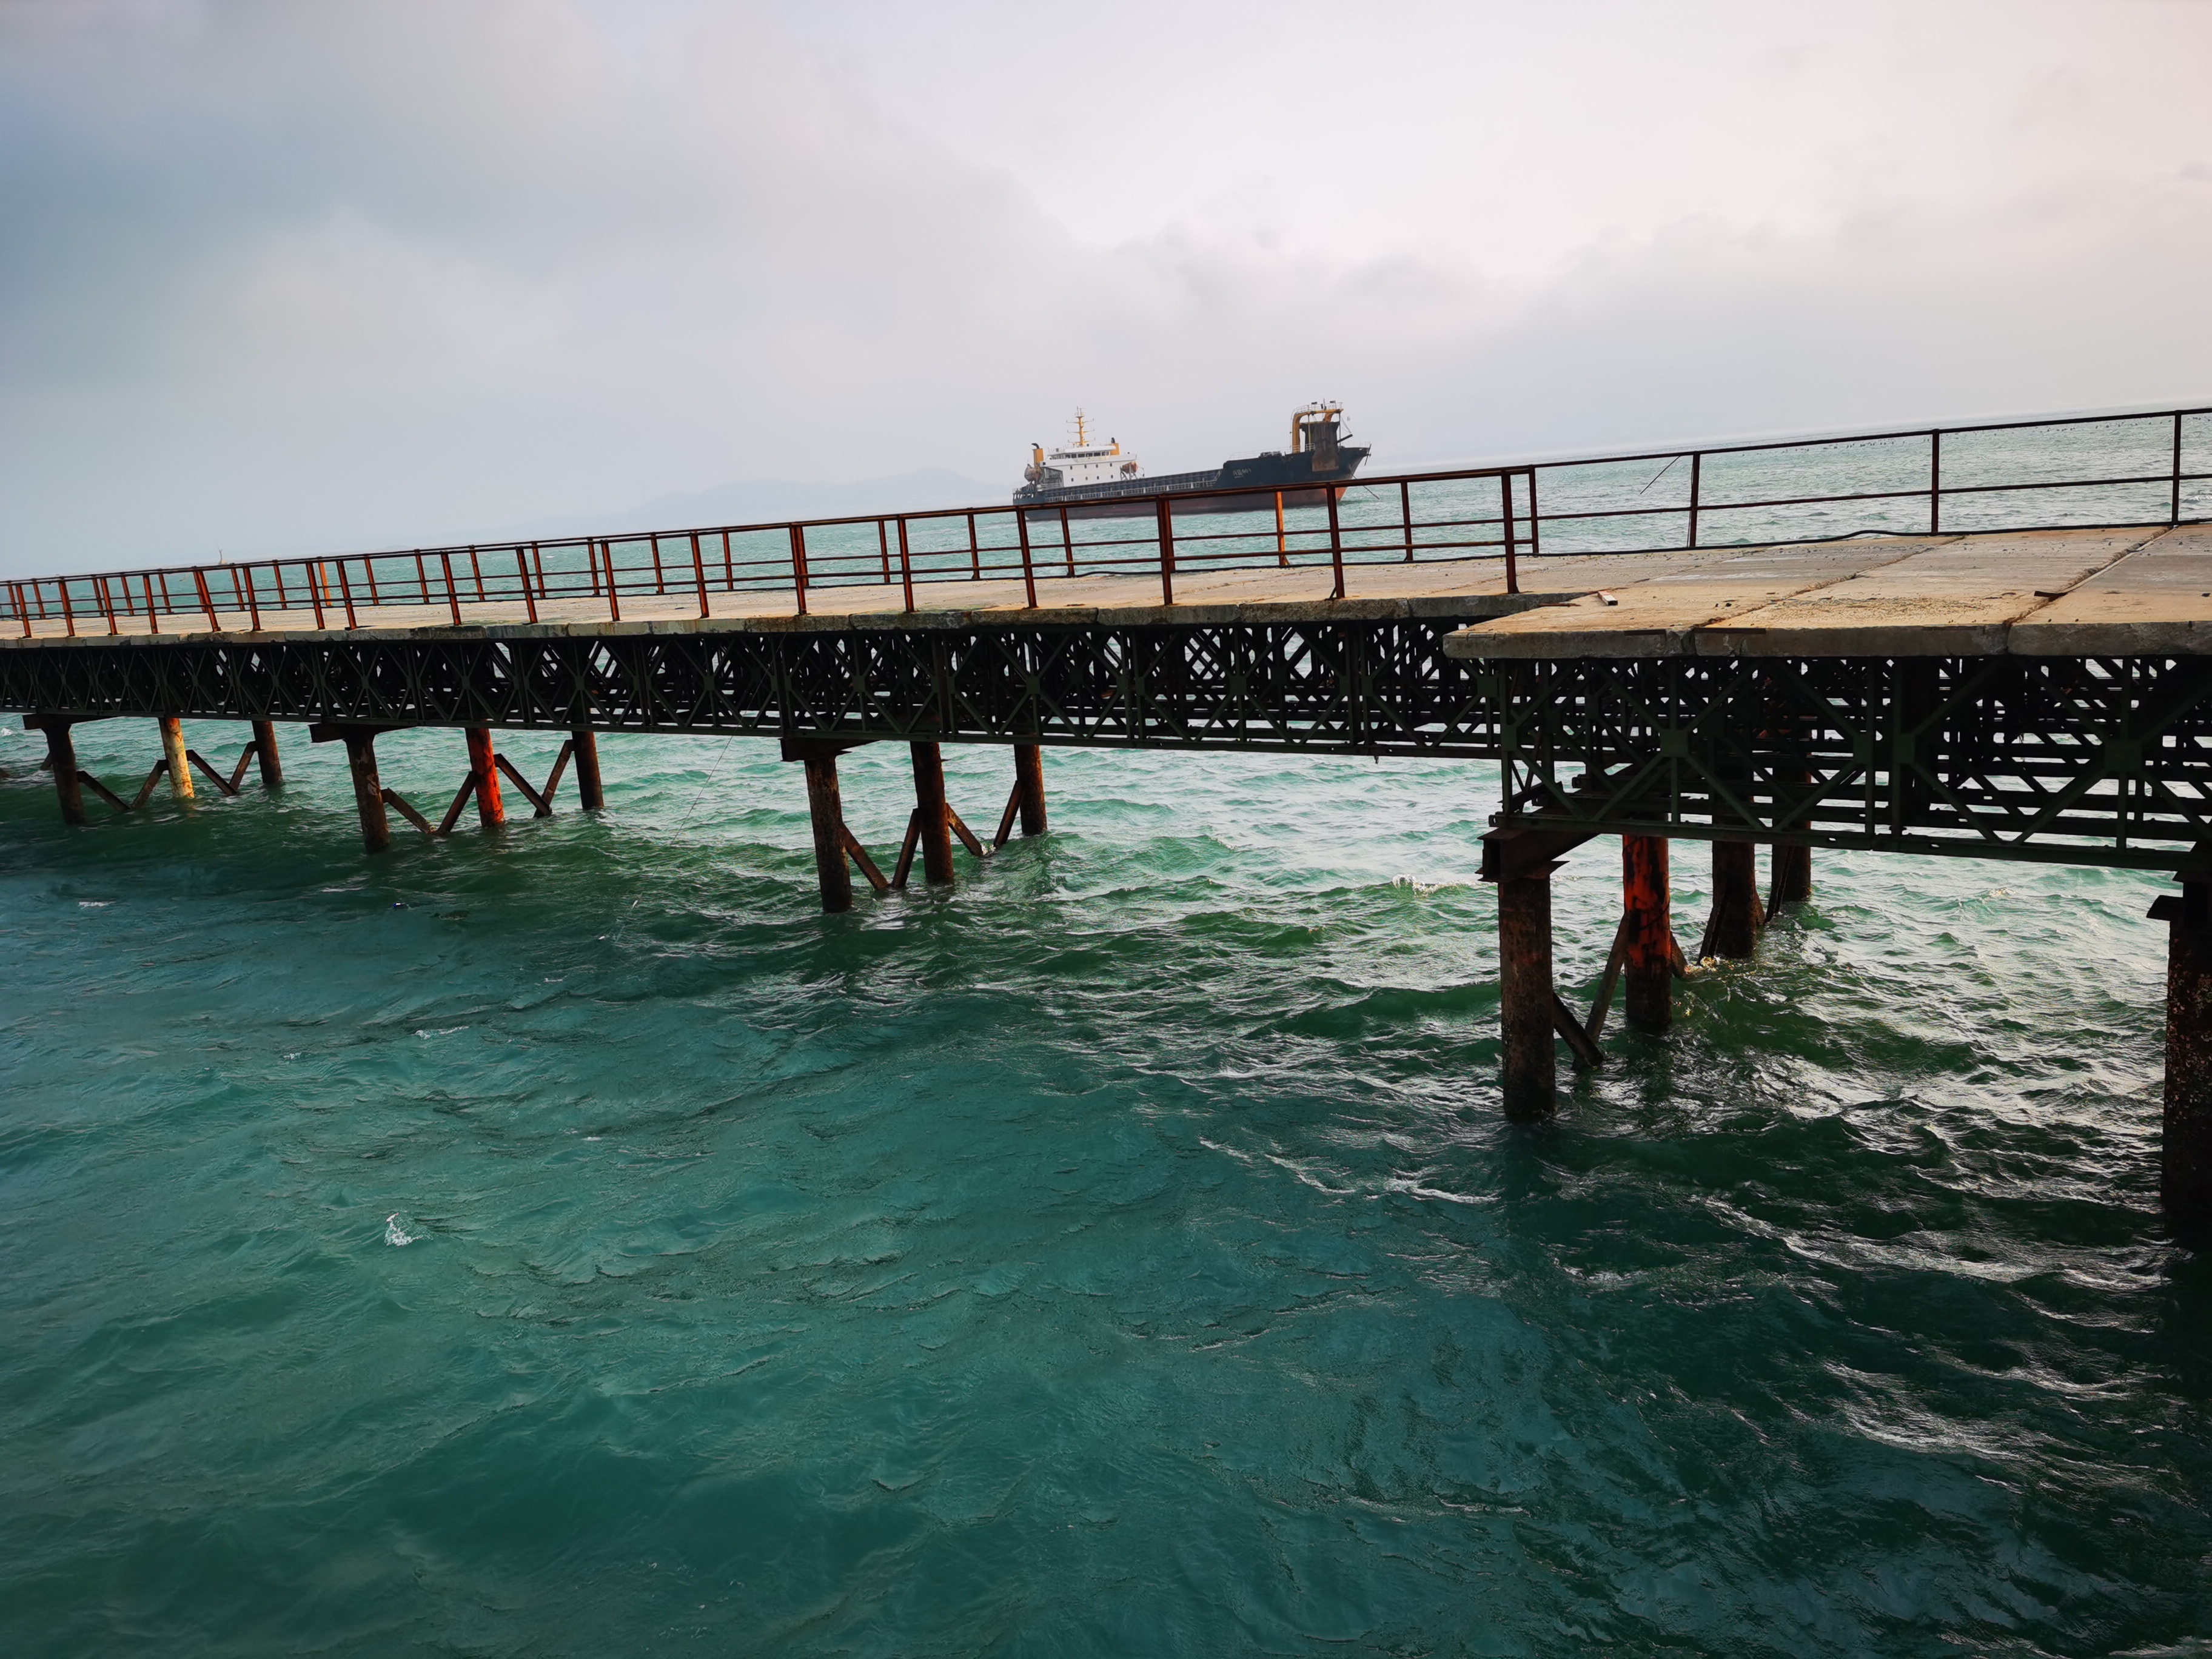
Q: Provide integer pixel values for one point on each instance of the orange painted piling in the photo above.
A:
(173, 752)
(484, 771)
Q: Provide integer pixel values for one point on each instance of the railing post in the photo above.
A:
(659, 582)
(345, 588)
(522, 573)
(69, 616)
(882, 546)
(22, 608)
(1066, 542)
(315, 593)
(1029, 574)
(1405, 513)
(1535, 522)
(974, 553)
(1282, 543)
(452, 594)
(1167, 549)
(2173, 512)
(1936, 482)
(1335, 541)
(906, 565)
(1697, 485)
(799, 565)
(252, 594)
(207, 603)
(1505, 510)
(698, 570)
(614, 598)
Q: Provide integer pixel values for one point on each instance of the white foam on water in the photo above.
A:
(395, 1234)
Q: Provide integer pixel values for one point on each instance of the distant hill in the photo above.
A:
(768, 501)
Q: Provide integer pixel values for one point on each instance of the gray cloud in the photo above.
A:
(289, 278)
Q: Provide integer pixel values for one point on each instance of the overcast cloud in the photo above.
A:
(287, 276)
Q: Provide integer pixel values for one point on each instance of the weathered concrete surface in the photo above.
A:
(2145, 591)
(1959, 599)
(2158, 599)
(1656, 616)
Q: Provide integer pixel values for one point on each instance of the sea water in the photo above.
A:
(568, 1240)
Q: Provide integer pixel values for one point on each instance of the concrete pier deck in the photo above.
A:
(2052, 592)
(2046, 592)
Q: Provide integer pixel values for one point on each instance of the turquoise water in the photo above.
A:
(568, 1241)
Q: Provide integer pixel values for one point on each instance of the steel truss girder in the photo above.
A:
(1354, 687)
(2075, 760)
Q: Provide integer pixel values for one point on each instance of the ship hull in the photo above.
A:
(1295, 475)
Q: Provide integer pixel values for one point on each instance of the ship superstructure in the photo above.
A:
(1081, 464)
(1096, 476)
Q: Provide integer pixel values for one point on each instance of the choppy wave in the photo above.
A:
(1122, 1254)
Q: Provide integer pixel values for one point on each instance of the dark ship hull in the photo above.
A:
(1304, 478)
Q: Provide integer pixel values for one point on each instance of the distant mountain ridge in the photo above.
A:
(767, 501)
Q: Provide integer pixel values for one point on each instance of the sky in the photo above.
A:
(278, 277)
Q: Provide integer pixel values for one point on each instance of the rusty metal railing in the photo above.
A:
(2066, 471)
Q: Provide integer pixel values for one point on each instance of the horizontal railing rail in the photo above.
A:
(2064, 471)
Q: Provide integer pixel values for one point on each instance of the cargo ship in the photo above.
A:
(1100, 481)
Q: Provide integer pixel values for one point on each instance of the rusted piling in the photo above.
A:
(1524, 956)
(173, 752)
(1649, 948)
(2185, 1157)
(1790, 876)
(61, 756)
(1732, 931)
(369, 791)
(484, 774)
(264, 754)
(827, 810)
(932, 818)
(590, 792)
(1028, 786)
(1520, 863)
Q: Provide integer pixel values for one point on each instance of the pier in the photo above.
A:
(1990, 642)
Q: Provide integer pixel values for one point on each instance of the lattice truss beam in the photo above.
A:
(1382, 687)
(2079, 760)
